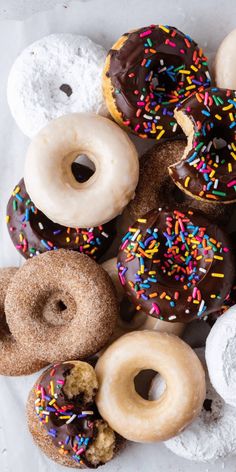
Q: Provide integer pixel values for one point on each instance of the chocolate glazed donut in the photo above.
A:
(33, 233)
(176, 266)
(147, 73)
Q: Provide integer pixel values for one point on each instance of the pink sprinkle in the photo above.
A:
(145, 33)
(188, 109)
(137, 127)
(182, 51)
(173, 45)
(125, 244)
(226, 249)
(141, 104)
(232, 183)
(79, 451)
(194, 292)
(156, 308)
(206, 98)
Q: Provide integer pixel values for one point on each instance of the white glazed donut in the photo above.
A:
(225, 62)
(125, 410)
(213, 433)
(221, 355)
(57, 75)
(51, 184)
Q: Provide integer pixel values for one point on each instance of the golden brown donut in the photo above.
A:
(157, 189)
(125, 410)
(61, 305)
(71, 388)
(14, 359)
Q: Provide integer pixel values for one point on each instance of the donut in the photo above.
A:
(212, 435)
(225, 64)
(51, 184)
(207, 168)
(129, 318)
(63, 418)
(32, 233)
(61, 305)
(156, 189)
(125, 410)
(147, 73)
(176, 266)
(14, 359)
(220, 356)
(56, 75)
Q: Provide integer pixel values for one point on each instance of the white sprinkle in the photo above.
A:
(174, 127)
(216, 183)
(148, 117)
(202, 270)
(172, 317)
(194, 162)
(87, 412)
(135, 235)
(104, 234)
(71, 419)
(40, 225)
(187, 311)
(162, 70)
(201, 306)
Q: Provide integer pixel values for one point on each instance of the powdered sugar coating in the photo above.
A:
(57, 75)
(221, 356)
(213, 433)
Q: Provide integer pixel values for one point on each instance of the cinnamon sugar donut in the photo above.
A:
(127, 412)
(61, 305)
(14, 359)
(63, 418)
(156, 188)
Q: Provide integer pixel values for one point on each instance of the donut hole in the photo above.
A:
(165, 78)
(58, 309)
(103, 447)
(212, 408)
(4, 328)
(82, 168)
(66, 89)
(81, 383)
(130, 318)
(143, 381)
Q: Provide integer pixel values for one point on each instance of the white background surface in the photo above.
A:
(103, 21)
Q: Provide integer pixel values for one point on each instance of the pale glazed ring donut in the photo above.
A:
(127, 412)
(51, 184)
(14, 359)
(61, 305)
(225, 63)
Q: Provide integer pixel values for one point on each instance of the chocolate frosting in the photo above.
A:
(209, 170)
(53, 409)
(156, 68)
(33, 233)
(176, 266)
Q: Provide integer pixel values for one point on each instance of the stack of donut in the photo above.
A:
(96, 325)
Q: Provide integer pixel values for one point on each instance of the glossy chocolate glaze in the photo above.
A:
(61, 433)
(167, 271)
(152, 72)
(207, 171)
(32, 232)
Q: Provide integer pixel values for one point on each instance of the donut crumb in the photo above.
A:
(81, 380)
(103, 447)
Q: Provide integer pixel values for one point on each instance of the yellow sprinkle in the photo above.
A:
(212, 173)
(186, 182)
(219, 258)
(196, 302)
(142, 220)
(231, 116)
(233, 146)
(64, 417)
(67, 239)
(198, 258)
(160, 134)
(194, 68)
(16, 190)
(230, 168)
(228, 107)
(184, 71)
(164, 28)
(218, 117)
(213, 295)
(214, 274)
(52, 401)
(52, 388)
(7, 219)
(167, 297)
(21, 237)
(190, 87)
(233, 155)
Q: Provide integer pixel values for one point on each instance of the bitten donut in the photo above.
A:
(32, 233)
(212, 435)
(14, 359)
(125, 410)
(63, 418)
(61, 305)
(207, 169)
(52, 186)
(147, 73)
(129, 318)
(176, 266)
(56, 75)
(156, 189)
(225, 63)
(220, 356)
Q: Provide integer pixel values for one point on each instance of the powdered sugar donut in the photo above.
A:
(213, 433)
(221, 356)
(57, 75)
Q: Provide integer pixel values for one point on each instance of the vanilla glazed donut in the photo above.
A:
(156, 188)
(225, 64)
(220, 356)
(128, 413)
(207, 169)
(176, 266)
(147, 73)
(32, 233)
(63, 418)
(56, 75)
(212, 435)
(14, 359)
(61, 305)
(52, 186)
